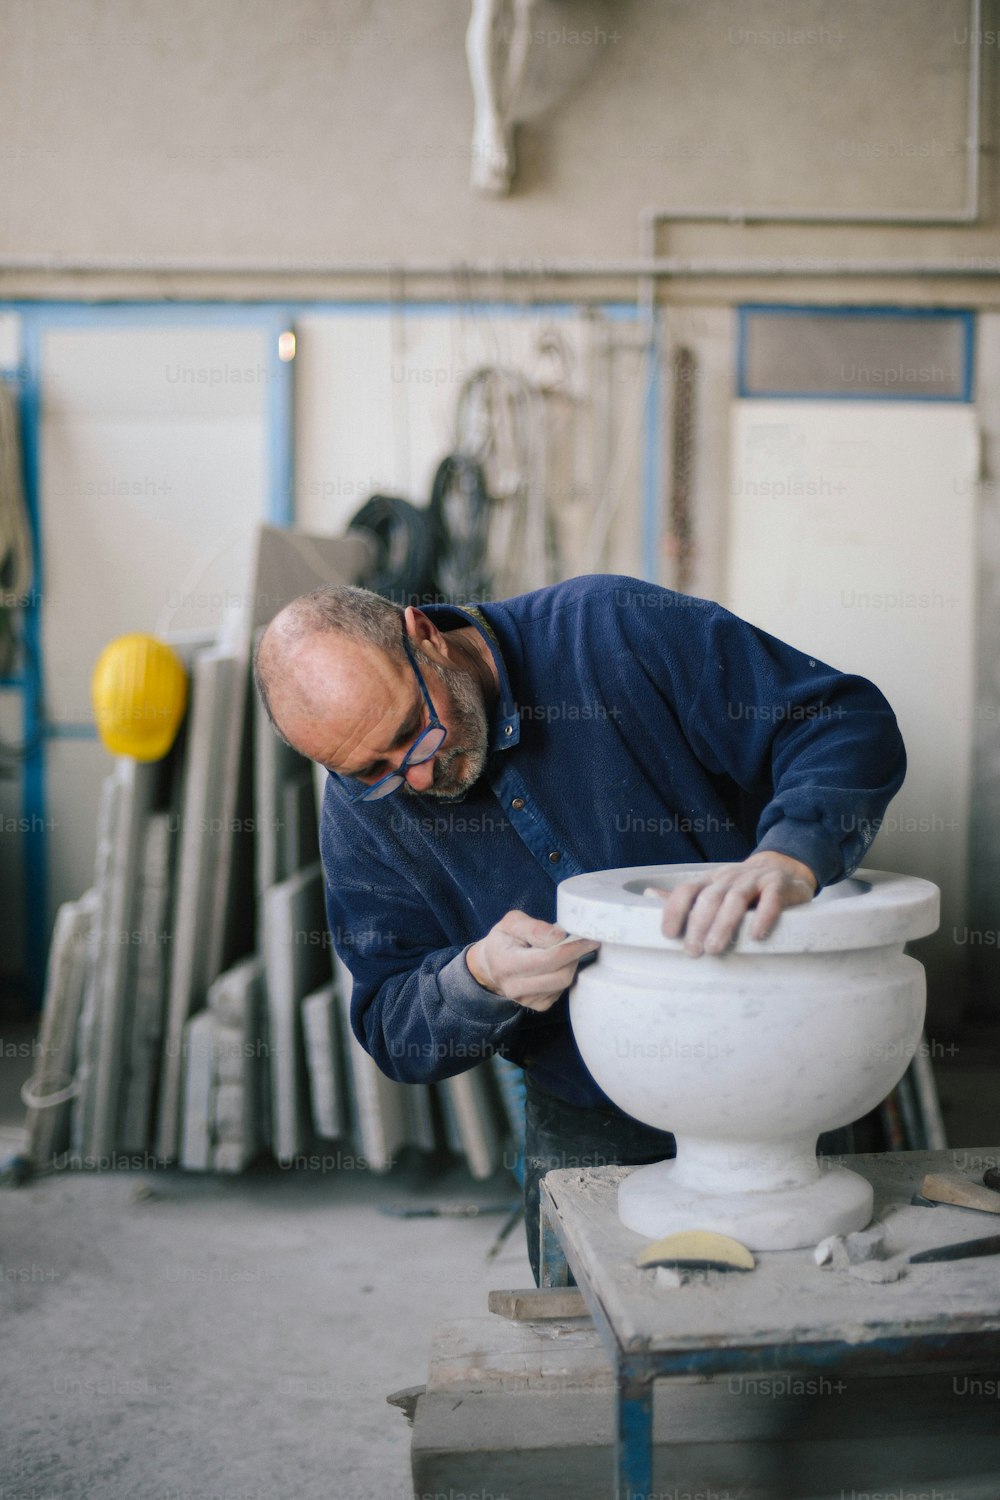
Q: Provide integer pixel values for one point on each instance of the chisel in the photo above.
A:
(963, 1251)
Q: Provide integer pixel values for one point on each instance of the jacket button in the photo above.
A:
(554, 857)
(518, 802)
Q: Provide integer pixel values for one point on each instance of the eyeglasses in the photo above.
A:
(426, 745)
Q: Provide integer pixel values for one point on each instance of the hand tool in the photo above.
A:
(956, 1189)
(965, 1250)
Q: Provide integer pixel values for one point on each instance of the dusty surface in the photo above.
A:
(179, 1337)
(788, 1298)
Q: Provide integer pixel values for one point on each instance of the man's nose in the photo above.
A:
(421, 777)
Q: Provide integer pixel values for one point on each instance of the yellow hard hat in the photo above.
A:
(139, 693)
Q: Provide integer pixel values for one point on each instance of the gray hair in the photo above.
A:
(356, 613)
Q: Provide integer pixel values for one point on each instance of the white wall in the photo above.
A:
(852, 535)
(315, 133)
(339, 131)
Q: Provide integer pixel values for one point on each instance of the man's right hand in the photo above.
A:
(526, 960)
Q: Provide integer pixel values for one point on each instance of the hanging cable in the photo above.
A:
(460, 519)
(500, 422)
(404, 537)
(16, 552)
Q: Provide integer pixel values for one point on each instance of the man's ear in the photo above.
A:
(422, 632)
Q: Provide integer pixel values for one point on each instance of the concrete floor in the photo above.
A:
(179, 1337)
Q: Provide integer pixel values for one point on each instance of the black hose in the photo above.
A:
(459, 517)
(404, 566)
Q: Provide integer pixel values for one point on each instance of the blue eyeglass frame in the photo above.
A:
(399, 775)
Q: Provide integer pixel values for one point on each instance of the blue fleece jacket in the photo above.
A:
(633, 726)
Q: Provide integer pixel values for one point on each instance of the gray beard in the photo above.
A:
(470, 729)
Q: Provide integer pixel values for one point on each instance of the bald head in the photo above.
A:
(292, 647)
(340, 687)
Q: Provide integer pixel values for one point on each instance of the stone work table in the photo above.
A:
(788, 1314)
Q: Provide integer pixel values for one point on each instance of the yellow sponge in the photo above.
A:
(698, 1250)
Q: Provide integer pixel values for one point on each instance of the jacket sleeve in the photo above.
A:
(820, 748)
(415, 1007)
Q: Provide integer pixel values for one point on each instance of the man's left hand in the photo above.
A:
(708, 910)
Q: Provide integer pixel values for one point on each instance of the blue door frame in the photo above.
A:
(36, 319)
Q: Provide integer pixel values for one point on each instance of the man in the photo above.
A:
(481, 755)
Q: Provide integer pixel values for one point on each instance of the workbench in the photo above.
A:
(786, 1315)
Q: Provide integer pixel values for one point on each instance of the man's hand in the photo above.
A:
(526, 960)
(713, 906)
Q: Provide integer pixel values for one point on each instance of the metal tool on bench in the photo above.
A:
(957, 1191)
(964, 1250)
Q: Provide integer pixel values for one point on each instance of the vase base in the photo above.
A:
(837, 1202)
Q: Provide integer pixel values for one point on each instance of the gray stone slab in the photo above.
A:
(418, 1116)
(151, 938)
(229, 1156)
(296, 962)
(235, 998)
(321, 1026)
(46, 1124)
(320, 778)
(230, 1113)
(289, 563)
(377, 1118)
(231, 1061)
(198, 1093)
(212, 687)
(230, 916)
(449, 1118)
(300, 831)
(475, 1115)
(274, 763)
(137, 789)
(88, 1032)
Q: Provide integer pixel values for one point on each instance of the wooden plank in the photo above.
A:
(529, 1304)
(527, 1403)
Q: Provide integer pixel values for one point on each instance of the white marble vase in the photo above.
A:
(746, 1057)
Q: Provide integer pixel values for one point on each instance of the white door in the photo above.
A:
(852, 537)
(153, 476)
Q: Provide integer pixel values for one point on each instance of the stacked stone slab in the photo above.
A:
(221, 1097)
(195, 1009)
(296, 963)
(234, 1002)
(49, 1091)
(377, 1118)
(195, 908)
(149, 950)
(321, 1025)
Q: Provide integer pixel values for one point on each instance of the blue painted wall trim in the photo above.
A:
(36, 317)
(965, 317)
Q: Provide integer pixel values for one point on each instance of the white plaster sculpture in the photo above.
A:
(496, 45)
(748, 1056)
